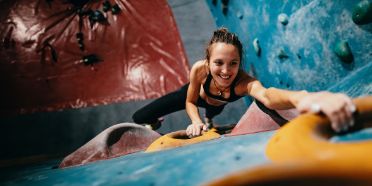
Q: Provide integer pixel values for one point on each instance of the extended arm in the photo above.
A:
(274, 98)
(337, 107)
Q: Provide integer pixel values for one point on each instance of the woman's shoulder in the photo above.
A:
(201, 64)
(243, 80)
(199, 70)
(243, 77)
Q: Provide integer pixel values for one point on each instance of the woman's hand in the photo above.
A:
(337, 107)
(195, 129)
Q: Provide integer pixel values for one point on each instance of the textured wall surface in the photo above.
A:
(310, 64)
(60, 133)
(300, 54)
(59, 55)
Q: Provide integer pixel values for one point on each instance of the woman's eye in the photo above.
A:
(234, 63)
(219, 63)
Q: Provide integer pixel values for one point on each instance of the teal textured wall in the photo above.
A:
(307, 43)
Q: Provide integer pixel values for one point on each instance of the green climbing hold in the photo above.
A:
(343, 51)
(256, 46)
(362, 13)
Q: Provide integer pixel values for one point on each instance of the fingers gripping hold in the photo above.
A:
(195, 129)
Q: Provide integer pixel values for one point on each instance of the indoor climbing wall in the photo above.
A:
(306, 44)
(72, 54)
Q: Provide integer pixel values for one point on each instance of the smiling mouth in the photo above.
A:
(225, 77)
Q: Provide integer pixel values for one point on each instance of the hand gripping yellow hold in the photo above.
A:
(180, 138)
(306, 138)
(303, 155)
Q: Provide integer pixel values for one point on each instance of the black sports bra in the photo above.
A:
(233, 96)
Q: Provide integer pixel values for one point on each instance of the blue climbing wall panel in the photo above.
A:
(300, 54)
(189, 165)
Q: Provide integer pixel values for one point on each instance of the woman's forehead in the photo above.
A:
(224, 49)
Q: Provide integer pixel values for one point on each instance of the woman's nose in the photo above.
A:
(225, 69)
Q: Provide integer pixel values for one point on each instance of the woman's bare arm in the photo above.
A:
(337, 107)
(197, 75)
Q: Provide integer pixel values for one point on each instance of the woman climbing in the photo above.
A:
(219, 79)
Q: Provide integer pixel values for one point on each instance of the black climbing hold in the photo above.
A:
(79, 36)
(106, 6)
(224, 10)
(225, 2)
(81, 46)
(54, 54)
(298, 56)
(224, 6)
(98, 16)
(80, 12)
(214, 2)
(77, 3)
(115, 9)
(283, 18)
(362, 13)
(256, 46)
(239, 15)
(282, 54)
(90, 59)
(343, 51)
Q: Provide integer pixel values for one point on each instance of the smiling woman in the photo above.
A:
(218, 80)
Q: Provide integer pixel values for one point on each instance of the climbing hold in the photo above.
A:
(96, 16)
(115, 9)
(239, 15)
(224, 10)
(343, 51)
(106, 6)
(298, 56)
(79, 37)
(224, 6)
(282, 54)
(362, 13)
(225, 2)
(214, 2)
(81, 46)
(89, 59)
(179, 139)
(283, 18)
(256, 46)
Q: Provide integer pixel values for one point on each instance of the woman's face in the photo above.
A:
(224, 63)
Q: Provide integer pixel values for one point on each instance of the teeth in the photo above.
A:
(224, 77)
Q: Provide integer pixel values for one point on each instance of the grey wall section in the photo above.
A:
(60, 133)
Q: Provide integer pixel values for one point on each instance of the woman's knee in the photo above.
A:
(211, 112)
(138, 117)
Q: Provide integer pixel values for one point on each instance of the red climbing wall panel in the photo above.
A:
(139, 51)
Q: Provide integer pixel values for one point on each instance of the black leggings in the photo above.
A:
(172, 102)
